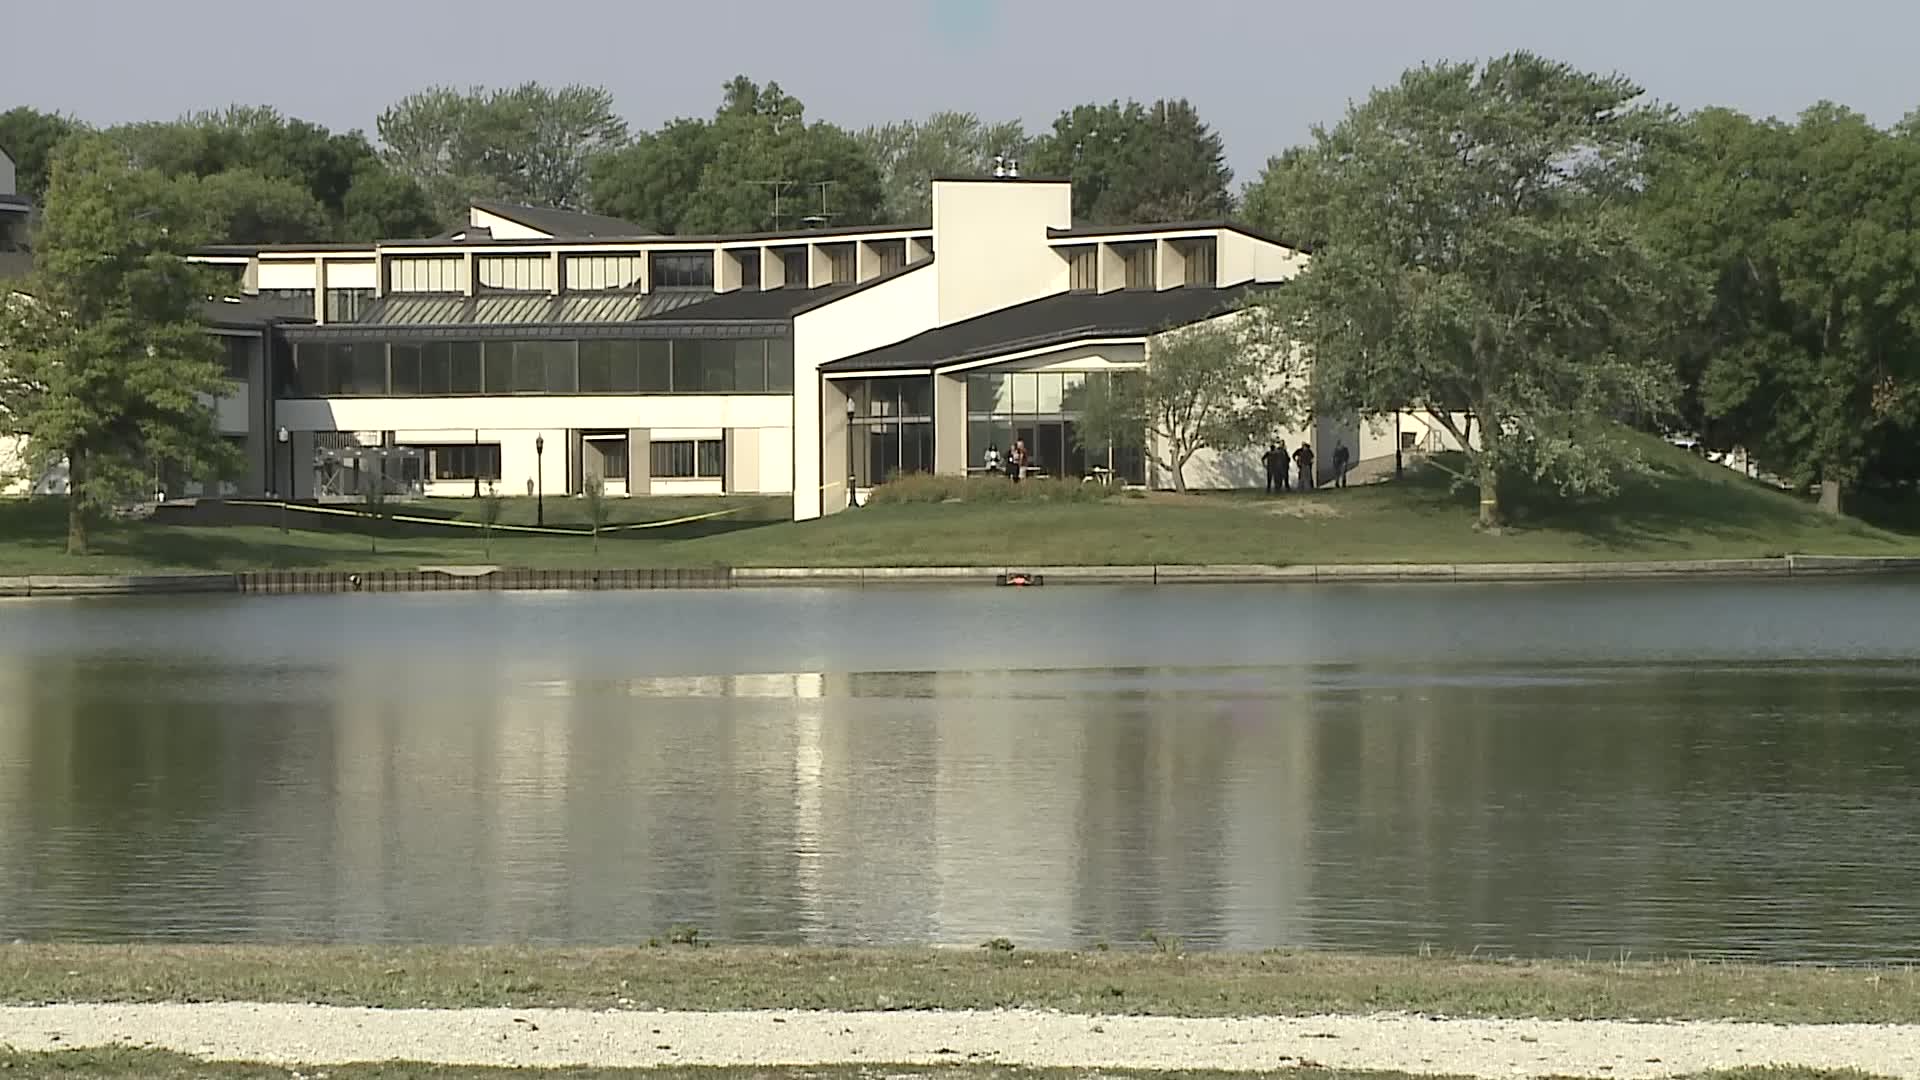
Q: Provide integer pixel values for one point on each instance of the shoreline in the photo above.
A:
(298, 1035)
(481, 578)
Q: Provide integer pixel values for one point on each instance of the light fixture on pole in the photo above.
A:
(540, 481)
(285, 438)
(851, 499)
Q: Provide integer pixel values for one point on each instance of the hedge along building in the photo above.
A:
(534, 349)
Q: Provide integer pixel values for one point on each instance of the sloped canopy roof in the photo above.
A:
(1054, 320)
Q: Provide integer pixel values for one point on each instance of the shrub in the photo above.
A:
(928, 488)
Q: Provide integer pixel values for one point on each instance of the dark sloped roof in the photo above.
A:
(1053, 320)
(1092, 232)
(502, 309)
(561, 224)
(255, 312)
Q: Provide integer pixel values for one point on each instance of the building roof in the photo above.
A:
(12, 202)
(1054, 320)
(561, 224)
(1094, 232)
(578, 315)
(255, 312)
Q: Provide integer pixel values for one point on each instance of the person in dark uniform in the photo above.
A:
(1276, 463)
(1340, 459)
(1303, 460)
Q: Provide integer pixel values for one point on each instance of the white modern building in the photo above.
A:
(534, 349)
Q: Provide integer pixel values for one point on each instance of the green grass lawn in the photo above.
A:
(1156, 982)
(1686, 508)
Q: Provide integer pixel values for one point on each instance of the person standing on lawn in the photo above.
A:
(1303, 460)
(1340, 459)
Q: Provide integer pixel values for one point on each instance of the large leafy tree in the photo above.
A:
(107, 365)
(1481, 264)
(531, 143)
(1220, 385)
(1132, 163)
(29, 137)
(273, 179)
(729, 174)
(910, 153)
(1808, 236)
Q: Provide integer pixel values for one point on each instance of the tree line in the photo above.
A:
(757, 162)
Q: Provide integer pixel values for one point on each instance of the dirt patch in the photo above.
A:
(1306, 509)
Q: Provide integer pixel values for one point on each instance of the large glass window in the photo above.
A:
(594, 366)
(405, 359)
(655, 367)
(1043, 410)
(464, 461)
(780, 365)
(497, 357)
(892, 428)
(463, 357)
(683, 270)
(689, 459)
(236, 358)
(750, 366)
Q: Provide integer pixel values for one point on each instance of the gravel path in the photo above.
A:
(318, 1035)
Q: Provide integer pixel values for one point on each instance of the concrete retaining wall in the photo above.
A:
(495, 579)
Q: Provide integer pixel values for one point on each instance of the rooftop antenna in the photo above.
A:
(817, 221)
(778, 186)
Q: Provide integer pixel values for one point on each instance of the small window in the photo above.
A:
(237, 359)
(689, 459)
(683, 270)
(465, 461)
(613, 459)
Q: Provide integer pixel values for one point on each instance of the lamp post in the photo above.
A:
(851, 500)
(284, 438)
(539, 481)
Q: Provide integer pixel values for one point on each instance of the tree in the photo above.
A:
(490, 506)
(726, 174)
(1481, 265)
(1808, 237)
(373, 502)
(530, 144)
(1218, 385)
(274, 179)
(108, 364)
(594, 491)
(1132, 163)
(30, 137)
(909, 154)
(242, 206)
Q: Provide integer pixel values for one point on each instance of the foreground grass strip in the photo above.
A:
(1156, 983)
(148, 1065)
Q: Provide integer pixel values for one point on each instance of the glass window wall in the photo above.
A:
(892, 428)
(595, 366)
(1043, 409)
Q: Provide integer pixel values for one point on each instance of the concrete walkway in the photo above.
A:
(316, 1035)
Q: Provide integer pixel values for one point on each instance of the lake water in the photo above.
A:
(1663, 768)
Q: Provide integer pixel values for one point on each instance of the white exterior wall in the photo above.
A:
(514, 423)
(288, 274)
(7, 179)
(352, 275)
(891, 311)
(501, 228)
(990, 244)
(1242, 258)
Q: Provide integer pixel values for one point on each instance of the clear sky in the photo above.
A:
(1260, 71)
